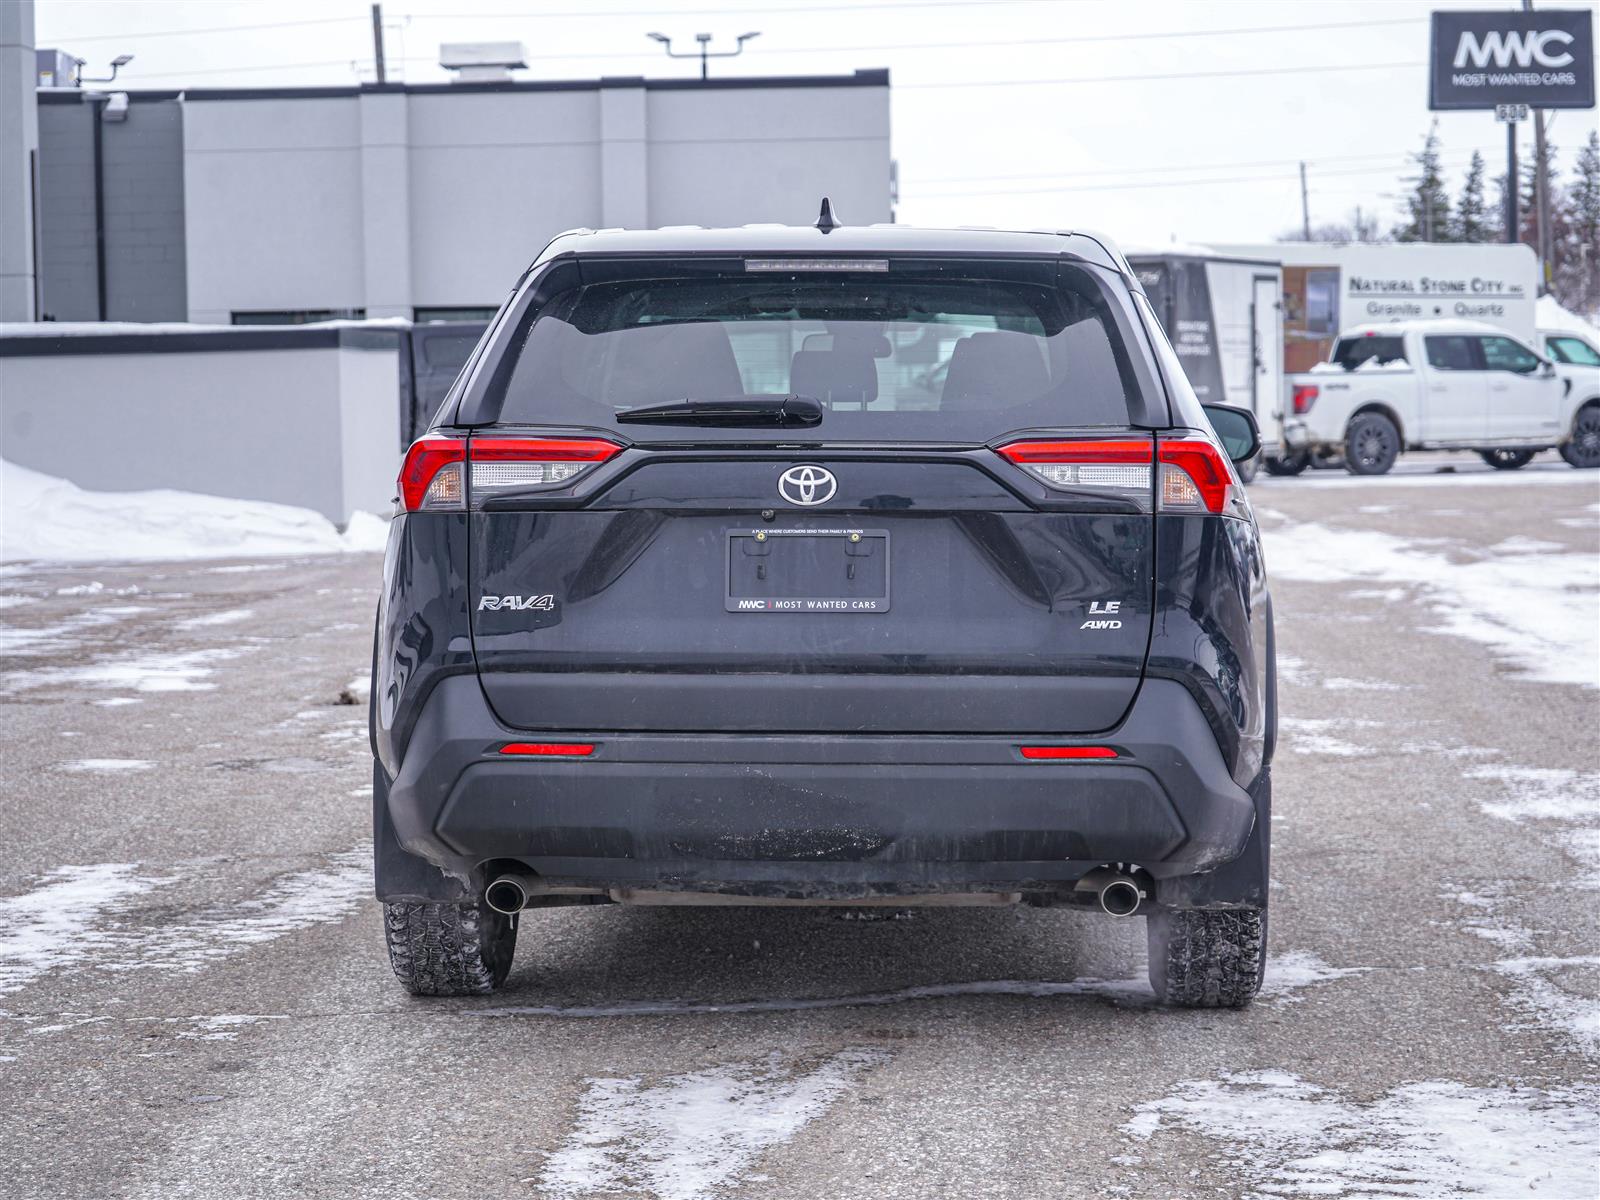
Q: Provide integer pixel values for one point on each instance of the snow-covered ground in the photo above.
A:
(1531, 602)
(43, 518)
(689, 1136)
(1428, 1139)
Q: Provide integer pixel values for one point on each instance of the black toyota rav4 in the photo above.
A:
(825, 565)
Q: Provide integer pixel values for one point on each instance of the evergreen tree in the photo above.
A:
(1528, 204)
(1500, 207)
(1428, 207)
(1578, 276)
(1473, 222)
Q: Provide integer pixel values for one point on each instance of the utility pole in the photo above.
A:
(377, 42)
(1305, 206)
(1513, 217)
(1541, 200)
(1544, 239)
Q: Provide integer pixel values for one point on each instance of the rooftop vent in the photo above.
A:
(482, 62)
(56, 68)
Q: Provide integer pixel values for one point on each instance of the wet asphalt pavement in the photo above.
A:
(195, 1001)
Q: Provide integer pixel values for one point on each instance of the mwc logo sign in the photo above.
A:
(1480, 60)
(1504, 50)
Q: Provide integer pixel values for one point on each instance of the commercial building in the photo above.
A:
(278, 205)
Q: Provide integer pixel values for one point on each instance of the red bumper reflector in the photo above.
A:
(1068, 752)
(550, 749)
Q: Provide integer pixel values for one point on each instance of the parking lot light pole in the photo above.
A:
(705, 52)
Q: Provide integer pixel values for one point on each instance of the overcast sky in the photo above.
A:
(1003, 110)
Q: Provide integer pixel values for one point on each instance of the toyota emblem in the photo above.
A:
(807, 485)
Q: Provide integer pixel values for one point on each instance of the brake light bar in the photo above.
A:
(432, 475)
(550, 749)
(1067, 752)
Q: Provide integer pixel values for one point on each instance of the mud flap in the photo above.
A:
(397, 874)
(1239, 883)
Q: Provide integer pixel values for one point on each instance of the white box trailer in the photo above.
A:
(1330, 286)
(1223, 313)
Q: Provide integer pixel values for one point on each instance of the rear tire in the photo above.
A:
(1583, 451)
(447, 949)
(1371, 444)
(1506, 460)
(1288, 464)
(1207, 958)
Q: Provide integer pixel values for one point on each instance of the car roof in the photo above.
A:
(842, 239)
(1396, 328)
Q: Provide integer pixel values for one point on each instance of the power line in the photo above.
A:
(505, 16)
(150, 33)
(746, 11)
(1236, 166)
(1080, 39)
(958, 83)
(1076, 39)
(1238, 74)
(1287, 176)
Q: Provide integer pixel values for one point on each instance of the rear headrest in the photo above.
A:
(838, 378)
(994, 369)
(657, 363)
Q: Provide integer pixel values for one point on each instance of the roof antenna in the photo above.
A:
(826, 221)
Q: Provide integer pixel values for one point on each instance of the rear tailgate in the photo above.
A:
(925, 596)
(870, 565)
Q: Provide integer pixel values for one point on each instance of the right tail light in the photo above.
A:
(1305, 395)
(1194, 475)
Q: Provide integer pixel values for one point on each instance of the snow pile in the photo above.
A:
(691, 1136)
(1550, 315)
(1540, 611)
(1287, 1137)
(45, 518)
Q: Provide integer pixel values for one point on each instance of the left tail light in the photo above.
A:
(434, 475)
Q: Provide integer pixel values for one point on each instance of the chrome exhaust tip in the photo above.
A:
(1120, 898)
(507, 894)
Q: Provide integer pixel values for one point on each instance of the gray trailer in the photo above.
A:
(1224, 316)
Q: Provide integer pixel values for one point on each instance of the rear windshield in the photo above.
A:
(1351, 353)
(943, 356)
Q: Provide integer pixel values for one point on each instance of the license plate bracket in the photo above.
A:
(807, 571)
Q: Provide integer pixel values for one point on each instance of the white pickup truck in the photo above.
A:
(1438, 385)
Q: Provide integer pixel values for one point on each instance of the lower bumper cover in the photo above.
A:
(809, 816)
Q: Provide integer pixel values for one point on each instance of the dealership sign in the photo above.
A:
(1543, 58)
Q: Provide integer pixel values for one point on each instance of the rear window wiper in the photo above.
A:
(729, 410)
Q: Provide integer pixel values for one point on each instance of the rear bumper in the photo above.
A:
(815, 817)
